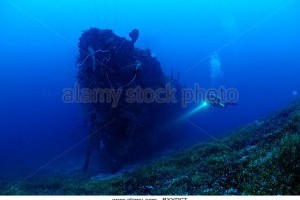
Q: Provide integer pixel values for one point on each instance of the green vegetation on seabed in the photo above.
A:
(258, 159)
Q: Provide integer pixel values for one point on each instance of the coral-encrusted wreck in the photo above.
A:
(127, 129)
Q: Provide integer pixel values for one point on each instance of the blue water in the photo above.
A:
(257, 42)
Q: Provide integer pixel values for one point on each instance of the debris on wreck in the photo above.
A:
(125, 130)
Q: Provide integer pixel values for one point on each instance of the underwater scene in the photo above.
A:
(112, 97)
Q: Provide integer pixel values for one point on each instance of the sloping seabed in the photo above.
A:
(261, 158)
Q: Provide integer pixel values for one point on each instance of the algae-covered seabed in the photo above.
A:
(258, 159)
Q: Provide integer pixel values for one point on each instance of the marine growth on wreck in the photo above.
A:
(122, 126)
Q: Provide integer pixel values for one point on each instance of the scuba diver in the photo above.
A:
(214, 101)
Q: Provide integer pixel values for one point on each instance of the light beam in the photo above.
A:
(200, 107)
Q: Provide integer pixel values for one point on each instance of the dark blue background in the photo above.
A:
(258, 43)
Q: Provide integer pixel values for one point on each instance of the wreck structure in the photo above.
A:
(130, 128)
